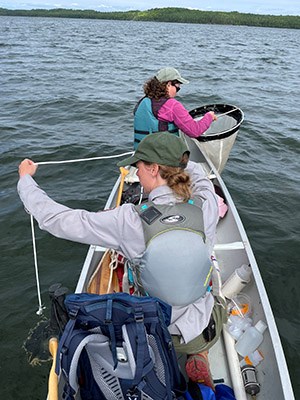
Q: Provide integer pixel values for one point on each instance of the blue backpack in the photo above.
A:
(116, 347)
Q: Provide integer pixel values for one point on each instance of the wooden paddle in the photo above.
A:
(123, 172)
(100, 279)
(53, 378)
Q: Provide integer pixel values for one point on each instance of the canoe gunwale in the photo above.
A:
(272, 327)
(241, 245)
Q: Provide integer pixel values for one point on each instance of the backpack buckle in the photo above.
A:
(132, 394)
(138, 314)
(139, 317)
(73, 312)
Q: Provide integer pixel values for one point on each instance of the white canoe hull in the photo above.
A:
(232, 249)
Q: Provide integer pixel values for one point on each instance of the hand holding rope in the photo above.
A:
(29, 167)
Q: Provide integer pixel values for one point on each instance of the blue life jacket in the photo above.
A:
(146, 119)
(176, 265)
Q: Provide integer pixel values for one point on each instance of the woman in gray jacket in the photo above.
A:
(169, 239)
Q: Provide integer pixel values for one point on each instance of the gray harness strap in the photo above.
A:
(157, 219)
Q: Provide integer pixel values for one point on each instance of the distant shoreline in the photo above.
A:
(170, 14)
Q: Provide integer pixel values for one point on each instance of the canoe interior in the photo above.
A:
(272, 373)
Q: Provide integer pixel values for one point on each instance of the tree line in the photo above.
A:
(169, 14)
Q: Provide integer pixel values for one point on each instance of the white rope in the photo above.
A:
(83, 159)
(141, 196)
(112, 266)
(41, 307)
(237, 306)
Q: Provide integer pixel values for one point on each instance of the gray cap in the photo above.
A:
(170, 74)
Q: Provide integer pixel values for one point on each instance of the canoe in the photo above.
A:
(232, 249)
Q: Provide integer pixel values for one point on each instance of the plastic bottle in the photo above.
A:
(240, 305)
(237, 280)
(236, 325)
(250, 339)
(253, 359)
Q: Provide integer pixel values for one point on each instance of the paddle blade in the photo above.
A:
(99, 281)
(53, 378)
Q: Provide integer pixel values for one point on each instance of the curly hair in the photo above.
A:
(155, 89)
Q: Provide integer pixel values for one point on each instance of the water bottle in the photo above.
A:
(236, 282)
(250, 339)
(236, 325)
(253, 359)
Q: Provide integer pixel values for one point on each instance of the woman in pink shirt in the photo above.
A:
(160, 111)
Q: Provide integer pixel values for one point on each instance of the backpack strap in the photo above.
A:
(65, 338)
(145, 371)
(78, 345)
(109, 323)
(144, 363)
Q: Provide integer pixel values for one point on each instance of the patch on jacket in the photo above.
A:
(172, 219)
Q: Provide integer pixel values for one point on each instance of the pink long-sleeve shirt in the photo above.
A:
(174, 111)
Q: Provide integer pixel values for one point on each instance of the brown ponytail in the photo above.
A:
(178, 180)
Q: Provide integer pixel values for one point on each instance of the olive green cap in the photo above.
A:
(162, 148)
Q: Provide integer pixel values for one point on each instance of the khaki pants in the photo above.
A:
(199, 344)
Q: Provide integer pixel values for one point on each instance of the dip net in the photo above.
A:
(217, 141)
(36, 345)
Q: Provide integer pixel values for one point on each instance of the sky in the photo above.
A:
(273, 7)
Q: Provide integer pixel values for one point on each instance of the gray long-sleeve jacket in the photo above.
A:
(120, 228)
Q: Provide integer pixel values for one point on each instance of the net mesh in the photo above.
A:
(36, 344)
(159, 366)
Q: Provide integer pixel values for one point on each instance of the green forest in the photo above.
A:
(171, 14)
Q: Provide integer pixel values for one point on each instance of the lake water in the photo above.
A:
(68, 88)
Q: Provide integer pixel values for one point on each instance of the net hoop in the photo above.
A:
(221, 110)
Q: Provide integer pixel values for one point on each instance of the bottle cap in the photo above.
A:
(261, 326)
(244, 271)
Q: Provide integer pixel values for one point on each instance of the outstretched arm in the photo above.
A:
(110, 228)
(174, 111)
